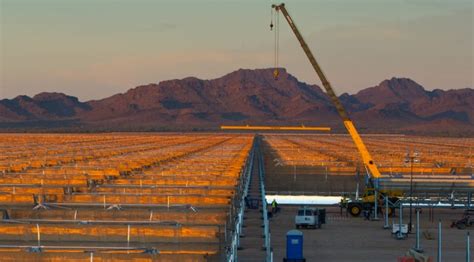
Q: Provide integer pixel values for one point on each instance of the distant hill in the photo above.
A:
(246, 97)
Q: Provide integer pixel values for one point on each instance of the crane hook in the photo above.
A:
(271, 19)
(276, 73)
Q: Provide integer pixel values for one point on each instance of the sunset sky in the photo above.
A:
(96, 48)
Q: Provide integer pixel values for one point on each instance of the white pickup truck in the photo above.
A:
(307, 217)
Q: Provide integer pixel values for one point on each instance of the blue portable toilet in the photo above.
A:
(294, 246)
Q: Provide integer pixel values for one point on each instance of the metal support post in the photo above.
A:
(376, 207)
(468, 247)
(400, 221)
(264, 210)
(239, 231)
(417, 245)
(469, 199)
(411, 194)
(225, 231)
(38, 235)
(439, 241)
(357, 190)
(386, 226)
(376, 199)
(128, 238)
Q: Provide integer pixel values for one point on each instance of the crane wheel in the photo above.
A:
(355, 210)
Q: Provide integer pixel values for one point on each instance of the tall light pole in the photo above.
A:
(409, 157)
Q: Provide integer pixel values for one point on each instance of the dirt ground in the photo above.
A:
(345, 238)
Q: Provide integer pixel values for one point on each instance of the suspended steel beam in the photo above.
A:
(279, 128)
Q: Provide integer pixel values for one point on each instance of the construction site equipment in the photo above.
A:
(276, 72)
(369, 164)
(367, 201)
(366, 157)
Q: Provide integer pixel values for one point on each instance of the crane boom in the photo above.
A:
(366, 157)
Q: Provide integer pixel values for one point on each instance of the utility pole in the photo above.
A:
(409, 157)
(411, 195)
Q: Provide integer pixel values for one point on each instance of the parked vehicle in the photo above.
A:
(308, 217)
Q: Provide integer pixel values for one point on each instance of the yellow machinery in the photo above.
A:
(279, 128)
(367, 201)
(372, 195)
(366, 157)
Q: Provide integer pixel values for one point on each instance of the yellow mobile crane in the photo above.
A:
(369, 197)
(366, 157)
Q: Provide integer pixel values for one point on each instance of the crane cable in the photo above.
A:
(275, 15)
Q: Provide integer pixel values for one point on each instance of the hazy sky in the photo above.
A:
(96, 48)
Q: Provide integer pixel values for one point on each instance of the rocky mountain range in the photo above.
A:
(246, 96)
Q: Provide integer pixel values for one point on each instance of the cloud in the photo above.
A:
(167, 26)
